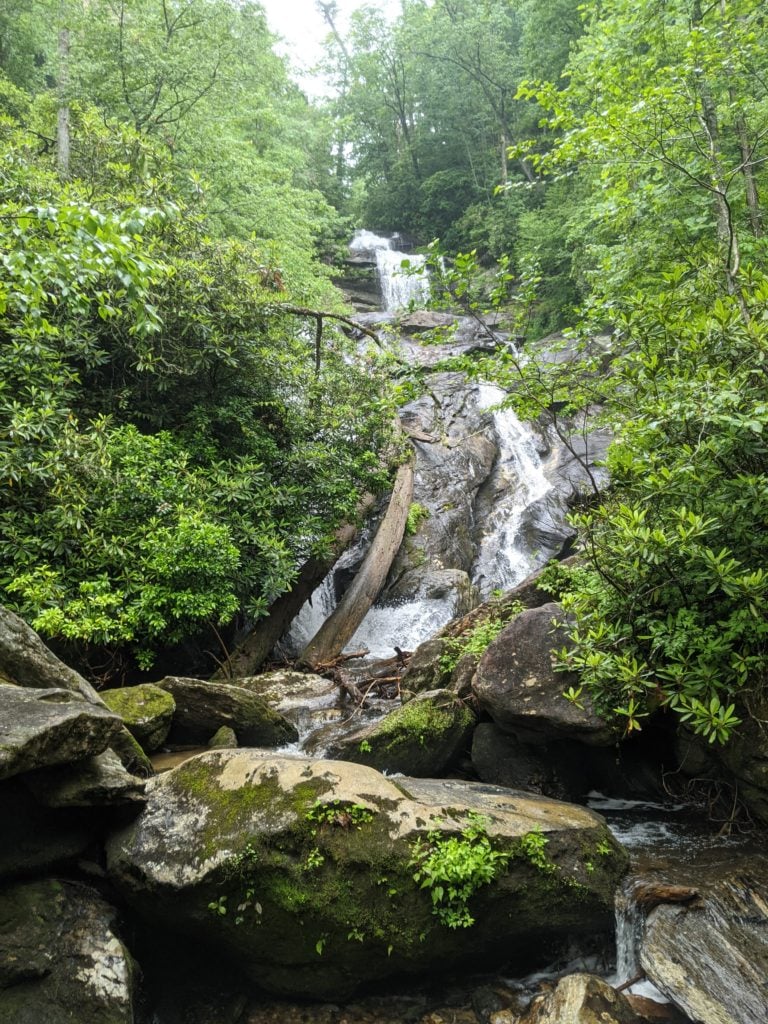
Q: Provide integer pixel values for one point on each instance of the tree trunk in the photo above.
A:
(62, 124)
(339, 627)
(252, 652)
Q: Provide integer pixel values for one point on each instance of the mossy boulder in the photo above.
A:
(146, 710)
(202, 708)
(423, 737)
(302, 871)
(61, 959)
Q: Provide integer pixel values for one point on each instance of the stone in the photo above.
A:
(202, 708)
(548, 769)
(288, 691)
(422, 738)
(516, 683)
(98, 781)
(223, 738)
(37, 838)
(146, 710)
(710, 956)
(26, 661)
(61, 959)
(581, 999)
(301, 872)
(40, 727)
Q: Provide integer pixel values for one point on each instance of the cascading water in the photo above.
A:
(398, 287)
(503, 559)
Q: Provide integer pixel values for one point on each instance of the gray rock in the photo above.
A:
(582, 999)
(36, 838)
(61, 959)
(202, 708)
(503, 760)
(98, 781)
(422, 738)
(223, 738)
(146, 710)
(301, 871)
(517, 686)
(45, 727)
(26, 661)
(287, 691)
(711, 956)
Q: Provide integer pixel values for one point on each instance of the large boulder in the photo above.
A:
(26, 661)
(61, 959)
(203, 708)
(516, 683)
(423, 737)
(146, 710)
(303, 872)
(40, 727)
(710, 957)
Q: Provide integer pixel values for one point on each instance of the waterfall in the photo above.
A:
(398, 288)
(503, 560)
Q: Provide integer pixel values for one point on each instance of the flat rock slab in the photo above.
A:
(301, 872)
(47, 727)
(99, 781)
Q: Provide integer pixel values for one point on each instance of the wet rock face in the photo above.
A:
(61, 959)
(710, 956)
(302, 872)
(518, 687)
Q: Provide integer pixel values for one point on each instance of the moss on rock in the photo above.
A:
(146, 710)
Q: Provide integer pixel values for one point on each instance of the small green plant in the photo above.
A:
(604, 848)
(453, 868)
(476, 641)
(533, 846)
(365, 747)
(314, 860)
(416, 515)
(337, 812)
(219, 906)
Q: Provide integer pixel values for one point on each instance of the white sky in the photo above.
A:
(303, 29)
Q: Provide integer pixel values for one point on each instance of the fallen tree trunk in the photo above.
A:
(251, 653)
(339, 628)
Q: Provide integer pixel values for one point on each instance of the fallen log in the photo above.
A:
(339, 628)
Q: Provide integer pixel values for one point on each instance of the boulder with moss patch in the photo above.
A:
(423, 737)
(303, 872)
(146, 710)
(202, 708)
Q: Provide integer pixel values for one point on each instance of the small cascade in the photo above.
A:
(405, 626)
(629, 935)
(503, 559)
(398, 288)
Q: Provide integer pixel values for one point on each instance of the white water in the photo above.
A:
(503, 560)
(405, 625)
(399, 288)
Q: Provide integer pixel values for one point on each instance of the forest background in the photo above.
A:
(175, 442)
